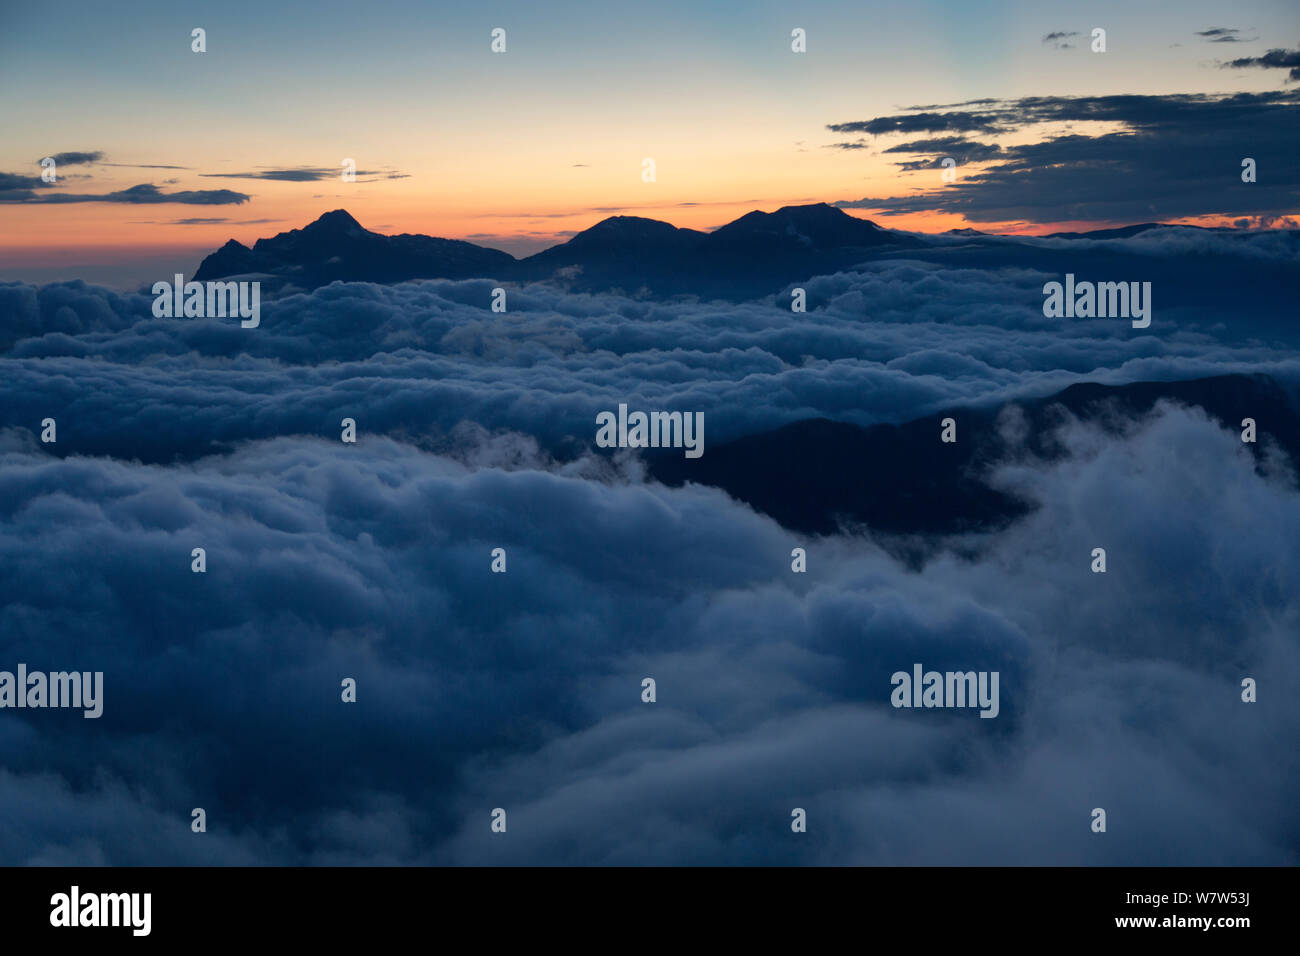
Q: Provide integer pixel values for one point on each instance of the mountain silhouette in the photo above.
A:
(337, 247)
(759, 254)
(627, 252)
(756, 254)
(1128, 232)
(793, 229)
(819, 476)
(763, 251)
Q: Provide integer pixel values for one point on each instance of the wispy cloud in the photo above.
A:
(1108, 176)
(76, 158)
(956, 122)
(962, 150)
(146, 166)
(144, 194)
(1272, 60)
(1059, 38)
(303, 174)
(1224, 35)
(96, 157)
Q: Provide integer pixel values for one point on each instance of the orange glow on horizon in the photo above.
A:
(103, 230)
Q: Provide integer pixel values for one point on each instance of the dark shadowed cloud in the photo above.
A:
(1060, 38)
(1224, 35)
(301, 174)
(76, 159)
(14, 185)
(961, 149)
(144, 194)
(1272, 60)
(1175, 156)
(97, 157)
(147, 166)
(958, 122)
(202, 221)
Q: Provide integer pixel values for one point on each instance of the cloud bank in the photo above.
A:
(1159, 157)
(522, 690)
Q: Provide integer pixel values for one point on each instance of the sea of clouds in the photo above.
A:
(523, 690)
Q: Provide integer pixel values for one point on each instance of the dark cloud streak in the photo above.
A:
(1175, 156)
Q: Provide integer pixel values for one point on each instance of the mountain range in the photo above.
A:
(755, 254)
(759, 254)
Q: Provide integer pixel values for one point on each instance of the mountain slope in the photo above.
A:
(627, 252)
(337, 247)
(817, 476)
(755, 255)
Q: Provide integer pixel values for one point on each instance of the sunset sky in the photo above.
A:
(522, 149)
(276, 519)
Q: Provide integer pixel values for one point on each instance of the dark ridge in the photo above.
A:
(621, 252)
(820, 476)
(756, 255)
(336, 247)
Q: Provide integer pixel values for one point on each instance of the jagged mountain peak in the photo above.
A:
(336, 222)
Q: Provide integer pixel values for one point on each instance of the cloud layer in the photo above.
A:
(480, 690)
(522, 690)
(1157, 158)
(891, 342)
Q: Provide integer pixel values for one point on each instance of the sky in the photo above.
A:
(371, 560)
(521, 149)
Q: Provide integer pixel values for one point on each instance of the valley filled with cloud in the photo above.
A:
(522, 690)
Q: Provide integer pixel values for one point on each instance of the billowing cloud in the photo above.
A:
(522, 690)
(422, 357)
